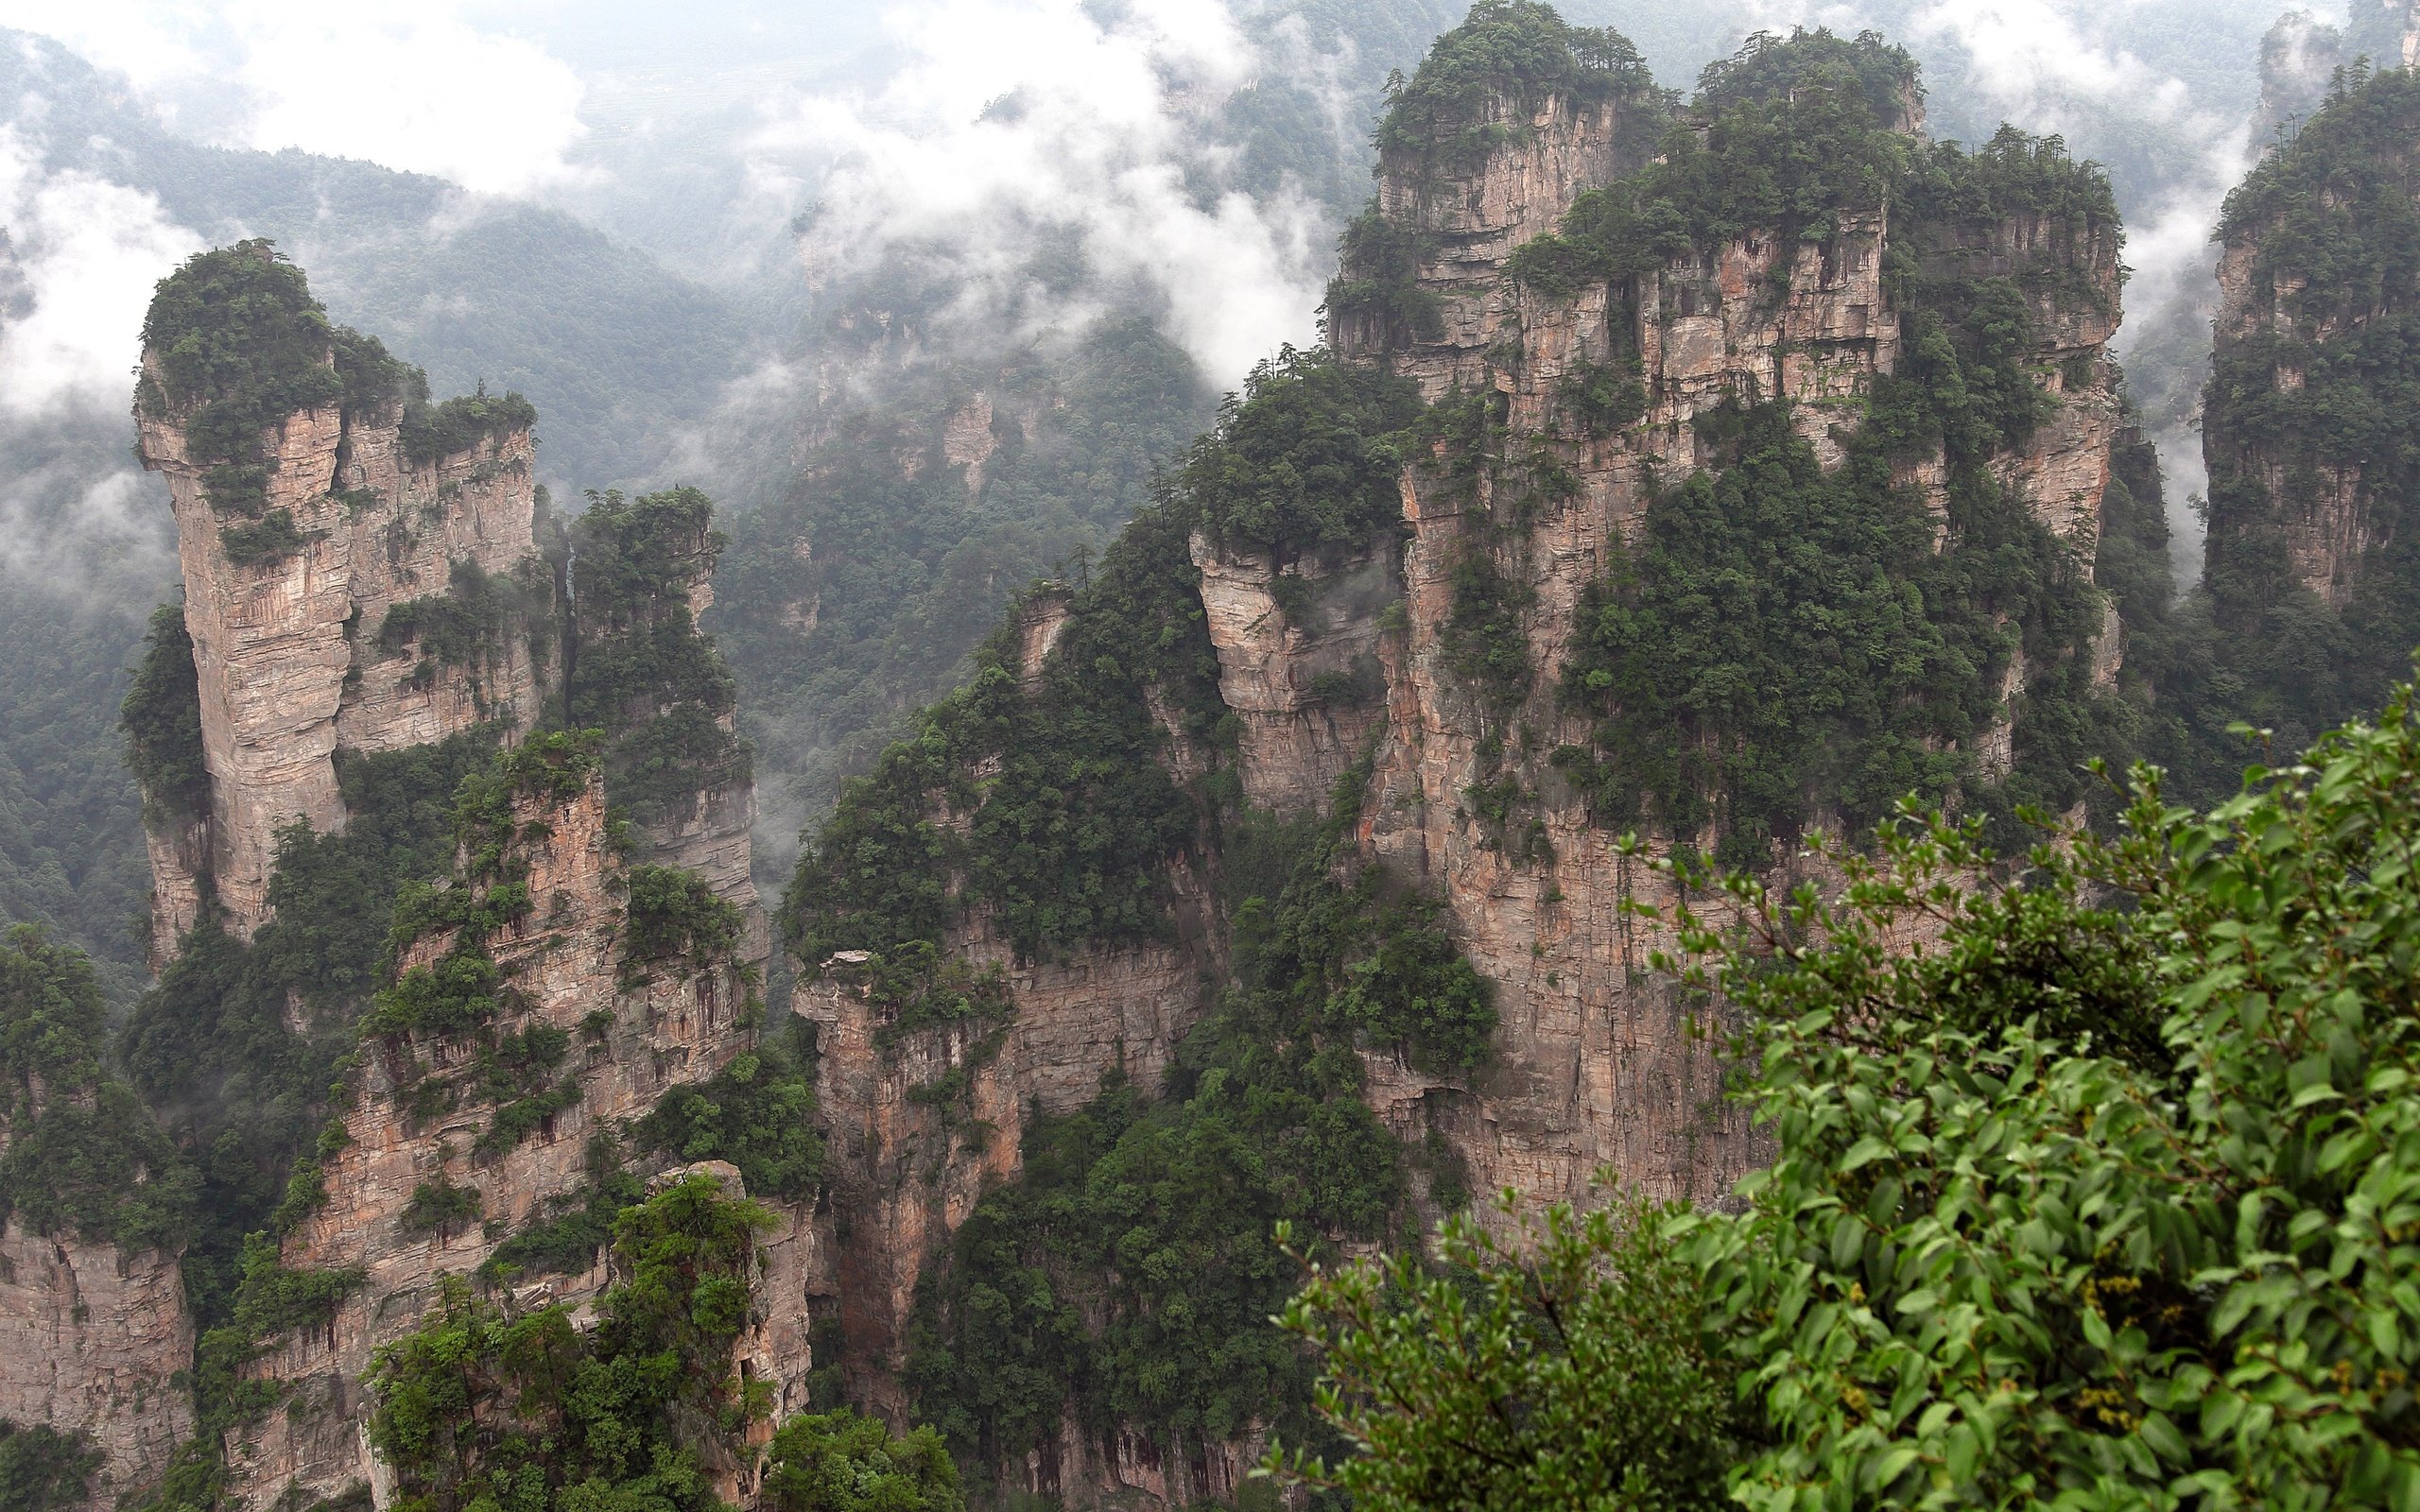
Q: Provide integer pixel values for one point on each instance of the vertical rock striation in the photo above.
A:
(92, 1342)
(2311, 576)
(357, 507)
(1571, 388)
(453, 1141)
(368, 576)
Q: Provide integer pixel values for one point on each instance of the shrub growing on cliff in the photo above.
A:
(840, 1462)
(43, 1470)
(2310, 420)
(83, 1155)
(1070, 840)
(235, 343)
(2082, 1206)
(478, 1408)
(1784, 139)
(640, 671)
(1130, 1268)
(758, 1113)
(672, 912)
(162, 718)
(1519, 48)
(434, 431)
(1780, 637)
(1301, 459)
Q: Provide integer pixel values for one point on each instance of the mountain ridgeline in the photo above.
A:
(1716, 470)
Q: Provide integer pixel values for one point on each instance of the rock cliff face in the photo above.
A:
(424, 1118)
(293, 649)
(2327, 519)
(2309, 566)
(1598, 1062)
(918, 1122)
(369, 574)
(92, 1342)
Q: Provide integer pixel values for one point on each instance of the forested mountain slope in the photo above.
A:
(1713, 469)
(458, 949)
(936, 457)
(623, 357)
(2309, 428)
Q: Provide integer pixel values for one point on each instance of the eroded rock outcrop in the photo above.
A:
(922, 1117)
(464, 1130)
(295, 573)
(1432, 679)
(376, 622)
(93, 1343)
(2308, 563)
(1599, 1062)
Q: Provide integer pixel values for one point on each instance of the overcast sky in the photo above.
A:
(876, 109)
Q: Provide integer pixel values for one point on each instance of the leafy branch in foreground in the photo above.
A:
(2109, 1197)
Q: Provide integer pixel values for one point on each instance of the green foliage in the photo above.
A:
(2309, 421)
(1570, 1367)
(1604, 396)
(1784, 138)
(1377, 287)
(431, 432)
(213, 1041)
(457, 993)
(1483, 642)
(1303, 459)
(1779, 640)
(672, 912)
(2093, 1202)
(374, 379)
(757, 1112)
(1070, 840)
(1516, 48)
(516, 1120)
(162, 718)
(72, 849)
(43, 1470)
(840, 1462)
(439, 1207)
(639, 669)
(468, 623)
(272, 1301)
(479, 1408)
(260, 542)
(265, 1303)
(578, 1226)
(234, 344)
(1130, 1269)
(83, 1154)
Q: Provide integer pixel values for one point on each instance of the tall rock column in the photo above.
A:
(473, 1119)
(94, 1205)
(2309, 566)
(1601, 1063)
(317, 494)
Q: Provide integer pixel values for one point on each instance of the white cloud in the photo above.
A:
(2033, 56)
(412, 85)
(85, 253)
(1009, 115)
